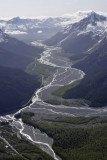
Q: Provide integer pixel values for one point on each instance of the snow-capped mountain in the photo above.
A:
(81, 36)
(30, 30)
(42, 28)
(93, 22)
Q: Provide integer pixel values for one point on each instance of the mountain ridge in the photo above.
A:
(93, 87)
(82, 37)
(16, 54)
(28, 28)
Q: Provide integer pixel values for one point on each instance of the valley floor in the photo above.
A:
(59, 138)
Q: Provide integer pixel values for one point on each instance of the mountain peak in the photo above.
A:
(15, 19)
(96, 17)
(93, 12)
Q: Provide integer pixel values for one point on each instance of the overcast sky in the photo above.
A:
(34, 8)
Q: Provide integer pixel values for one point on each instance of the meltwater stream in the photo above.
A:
(64, 75)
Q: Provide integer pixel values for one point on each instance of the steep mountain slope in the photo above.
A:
(9, 59)
(16, 88)
(18, 47)
(79, 37)
(14, 53)
(94, 86)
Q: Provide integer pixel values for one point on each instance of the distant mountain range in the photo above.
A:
(29, 30)
(40, 28)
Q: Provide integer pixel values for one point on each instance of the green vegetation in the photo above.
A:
(74, 120)
(72, 143)
(59, 102)
(38, 69)
(27, 114)
(53, 101)
(104, 120)
(76, 102)
(11, 157)
(61, 91)
(76, 58)
(26, 150)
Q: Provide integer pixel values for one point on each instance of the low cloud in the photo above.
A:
(77, 16)
(15, 32)
(39, 32)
